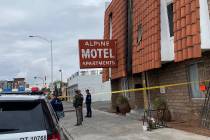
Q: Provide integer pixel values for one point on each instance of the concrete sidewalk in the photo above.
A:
(106, 126)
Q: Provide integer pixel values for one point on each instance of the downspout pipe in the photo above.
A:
(128, 79)
(129, 38)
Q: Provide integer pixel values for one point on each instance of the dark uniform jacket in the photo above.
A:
(88, 99)
(78, 101)
(57, 104)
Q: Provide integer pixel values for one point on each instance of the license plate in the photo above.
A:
(37, 135)
(34, 138)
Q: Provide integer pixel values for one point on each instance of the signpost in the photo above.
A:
(97, 53)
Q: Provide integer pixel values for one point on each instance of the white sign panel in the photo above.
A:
(162, 90)
(37, 135)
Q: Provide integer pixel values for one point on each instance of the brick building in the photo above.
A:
(161, 42)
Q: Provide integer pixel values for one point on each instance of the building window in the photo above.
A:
(170, 19)
(110, 26)
(139, 37)
(194, 78)
(83, 73)
(93, 72)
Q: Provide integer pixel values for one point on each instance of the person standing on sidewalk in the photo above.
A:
(77, 103)
(88, 102)
(57, 106)
(81, 102)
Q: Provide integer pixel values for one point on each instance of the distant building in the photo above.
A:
(17, 83)
(91, 80)
(10, 84)
(64, 90)
(3, 84)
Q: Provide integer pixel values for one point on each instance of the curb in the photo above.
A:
(67, 134)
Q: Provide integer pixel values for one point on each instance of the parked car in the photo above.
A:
(28, 117)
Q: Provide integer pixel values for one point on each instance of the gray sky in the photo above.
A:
(63, 21)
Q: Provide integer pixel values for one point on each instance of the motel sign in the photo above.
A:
(97, 53)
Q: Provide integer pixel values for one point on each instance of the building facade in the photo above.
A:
(15, 84)
(168, 41)
(91, 80)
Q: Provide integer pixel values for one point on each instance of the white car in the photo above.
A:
(28, 117)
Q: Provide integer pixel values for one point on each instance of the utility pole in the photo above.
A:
(128, 81)
(51, 52)
(144, 82)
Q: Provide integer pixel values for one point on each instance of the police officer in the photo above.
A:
(78, 101)
(88, 102)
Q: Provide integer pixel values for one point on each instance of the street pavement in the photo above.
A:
(107, 126)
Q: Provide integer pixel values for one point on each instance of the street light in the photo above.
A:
(61, 74)
(50, 42)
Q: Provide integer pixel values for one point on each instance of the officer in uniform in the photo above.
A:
(88, 102)
(78, 101)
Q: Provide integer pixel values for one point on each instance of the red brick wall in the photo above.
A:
(177, 97)
(146, 56)
(105, 75)
(186, 29)
(180, 103)
(118, 9)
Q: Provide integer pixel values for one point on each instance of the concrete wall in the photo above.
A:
(100, 91)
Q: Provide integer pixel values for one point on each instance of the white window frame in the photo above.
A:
(167, 42)
(204, 24)
(190, 80)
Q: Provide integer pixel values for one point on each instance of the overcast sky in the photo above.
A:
(63, 21)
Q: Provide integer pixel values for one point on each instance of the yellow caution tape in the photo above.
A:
(147, 88)
(61, 97)
(158, 87)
